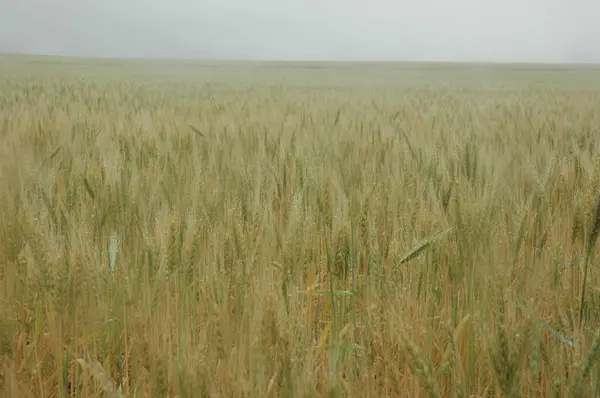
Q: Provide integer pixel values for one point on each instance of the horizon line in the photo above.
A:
(276, 60)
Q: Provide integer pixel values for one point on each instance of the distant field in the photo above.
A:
(197, 229)
(304, 74)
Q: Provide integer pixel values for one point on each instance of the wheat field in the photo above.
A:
(298, 230)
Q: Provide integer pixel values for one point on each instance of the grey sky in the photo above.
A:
(458, 30)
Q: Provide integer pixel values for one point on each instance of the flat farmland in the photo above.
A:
(198, 229)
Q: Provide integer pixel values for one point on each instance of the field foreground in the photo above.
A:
(186, 236)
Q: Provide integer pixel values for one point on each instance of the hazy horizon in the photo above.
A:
(466, 31)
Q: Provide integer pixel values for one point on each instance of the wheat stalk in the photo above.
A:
(591, 245)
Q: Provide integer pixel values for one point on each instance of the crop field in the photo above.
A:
(190, 229)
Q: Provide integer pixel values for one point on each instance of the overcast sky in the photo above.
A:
(445, 30)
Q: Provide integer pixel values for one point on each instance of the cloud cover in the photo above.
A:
(460, 30)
